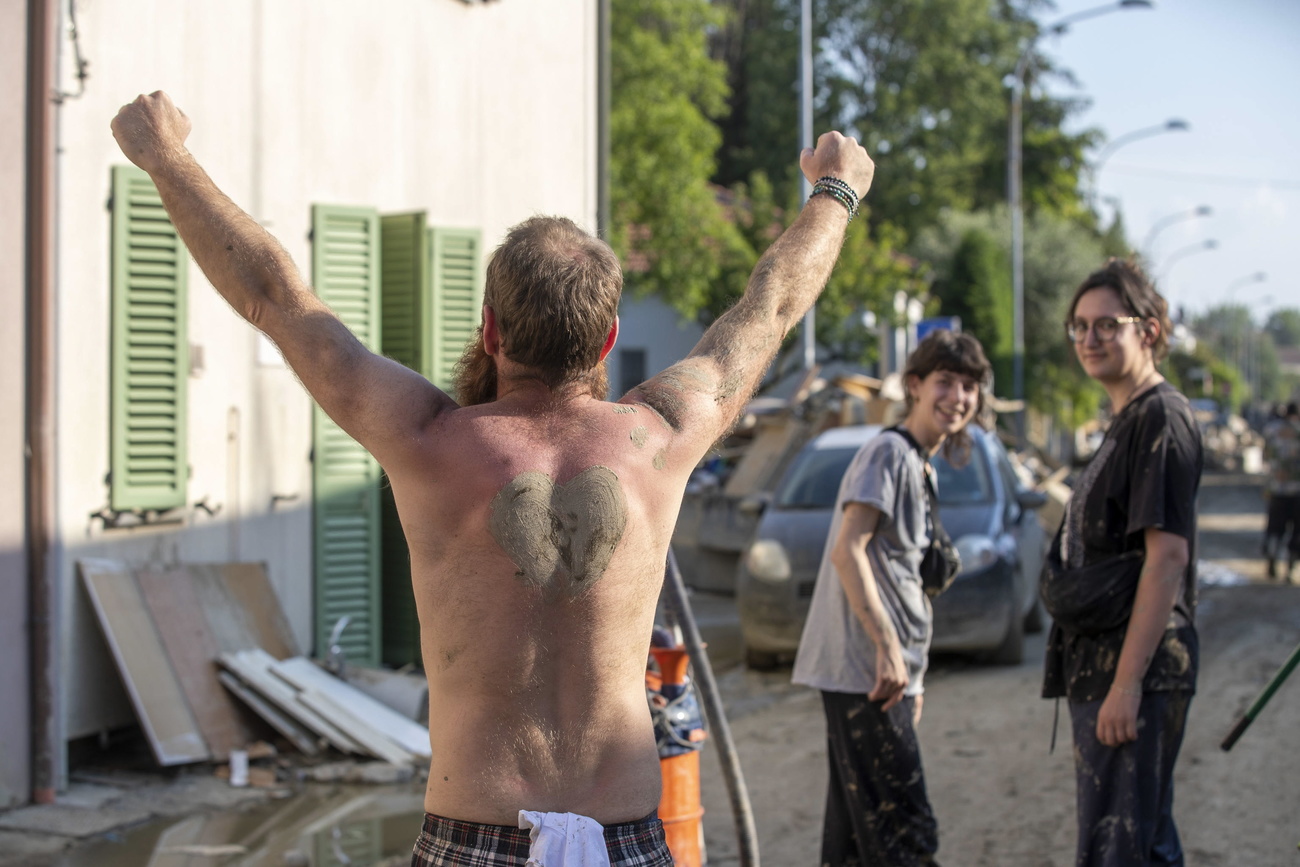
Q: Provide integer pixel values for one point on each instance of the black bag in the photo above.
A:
(1090, 599)
(941, 563)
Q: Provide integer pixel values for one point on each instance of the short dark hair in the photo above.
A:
(1136, 293)
(554, 290)
(961, 354)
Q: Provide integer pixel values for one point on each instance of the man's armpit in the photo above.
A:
(669, 394)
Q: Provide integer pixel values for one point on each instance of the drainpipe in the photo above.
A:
(42, 33)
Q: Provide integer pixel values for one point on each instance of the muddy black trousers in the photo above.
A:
(1126, 793)
(877, 810)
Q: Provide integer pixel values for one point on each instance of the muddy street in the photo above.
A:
(1001, 797)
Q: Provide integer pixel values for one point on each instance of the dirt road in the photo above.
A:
(1000, 796)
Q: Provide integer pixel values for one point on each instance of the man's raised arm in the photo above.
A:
(703, 394)
(376, 400)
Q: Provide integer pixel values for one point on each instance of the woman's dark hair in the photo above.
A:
(961, 354)
(1136, 293)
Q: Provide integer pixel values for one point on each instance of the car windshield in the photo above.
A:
(970, 484)
(813, 480)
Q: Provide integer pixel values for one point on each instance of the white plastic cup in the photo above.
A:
(239, 768)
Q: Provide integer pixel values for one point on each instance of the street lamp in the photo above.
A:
(1165, 222)
(1174, 124)
(1014, 203)
(1198, 247)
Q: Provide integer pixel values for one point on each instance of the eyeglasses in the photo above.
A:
(1105, 327)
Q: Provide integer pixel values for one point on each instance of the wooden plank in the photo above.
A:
(307, 676)
(146, 671)
(250, 590)
(188, 641)
(372, 742)
(251, 666)
(297, 735)
(757, 469)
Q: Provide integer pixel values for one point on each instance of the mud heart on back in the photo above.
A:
(560, 535)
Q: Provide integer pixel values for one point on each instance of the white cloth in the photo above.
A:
(564, 840)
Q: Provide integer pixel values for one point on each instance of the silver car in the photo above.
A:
(988, 513)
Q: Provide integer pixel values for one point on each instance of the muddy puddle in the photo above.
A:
(336, 827)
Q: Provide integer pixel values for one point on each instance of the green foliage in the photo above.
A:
(1284, 327)
(976, 286)
(667, 91)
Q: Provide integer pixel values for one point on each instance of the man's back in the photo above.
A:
(537, 538)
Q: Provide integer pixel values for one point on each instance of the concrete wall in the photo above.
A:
(480, 114)
(14, 690)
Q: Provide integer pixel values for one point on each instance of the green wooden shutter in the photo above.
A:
(407, 339)
(457, 296)
(346, 516)
(150, 349)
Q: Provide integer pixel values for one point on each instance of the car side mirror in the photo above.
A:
(1031, 499)
(755, 504)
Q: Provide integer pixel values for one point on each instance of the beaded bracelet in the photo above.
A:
(1123, 690)
(831, 180)
(848, 199)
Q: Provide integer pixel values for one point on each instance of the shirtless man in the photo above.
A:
(538, 515)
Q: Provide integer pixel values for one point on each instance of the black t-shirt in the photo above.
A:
(1145, 474)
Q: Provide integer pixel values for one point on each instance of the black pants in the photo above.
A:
(1126, 793)
(1283, 526)
(877, 811)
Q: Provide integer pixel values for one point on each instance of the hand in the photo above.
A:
(150, 130)
(916, 710)
(891, 677)
(1117, 720)
(839, 157)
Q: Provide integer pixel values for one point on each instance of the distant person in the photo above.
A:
(866, 642)
(1282, 449)
(538, 515)
(1121, 580)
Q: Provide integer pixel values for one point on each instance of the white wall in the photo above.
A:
(15, 748)
(480, 114)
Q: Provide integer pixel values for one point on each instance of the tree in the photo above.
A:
(921, 83)
(1284, 327)
(667, 225)
(976, 286)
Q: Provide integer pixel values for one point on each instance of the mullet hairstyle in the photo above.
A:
(555, 290)
(1136, 293)
(961, 354)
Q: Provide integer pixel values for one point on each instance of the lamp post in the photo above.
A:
(1014, 203)
(806, 133)
(1184, 252)
(1240, 343)
(1165, 222)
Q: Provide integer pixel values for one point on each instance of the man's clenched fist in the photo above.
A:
(841, 157)
(150, 130)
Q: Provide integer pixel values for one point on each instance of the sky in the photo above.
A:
(1231, 70)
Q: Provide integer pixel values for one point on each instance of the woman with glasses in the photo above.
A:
(1125, 657)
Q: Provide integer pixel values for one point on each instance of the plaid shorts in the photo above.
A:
(451, 843)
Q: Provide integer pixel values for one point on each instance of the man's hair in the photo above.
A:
(961, 354)
(554, 289)
(1136, 293)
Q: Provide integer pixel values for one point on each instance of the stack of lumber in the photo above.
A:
(308, 705)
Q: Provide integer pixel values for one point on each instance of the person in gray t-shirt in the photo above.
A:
(866, 642)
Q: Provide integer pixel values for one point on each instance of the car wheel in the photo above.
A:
(761, 660)
(1036, 619)
(1012, 649)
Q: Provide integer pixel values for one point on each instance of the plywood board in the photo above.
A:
(372, 742)
(307, 676)
(250, 590)
(228, 626)
(150, 681)
(187, 638)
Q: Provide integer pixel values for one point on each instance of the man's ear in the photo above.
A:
(491, 336)
(610, 339)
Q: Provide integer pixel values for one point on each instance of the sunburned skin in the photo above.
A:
(560, 537)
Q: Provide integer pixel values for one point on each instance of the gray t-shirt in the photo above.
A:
(836, 654)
